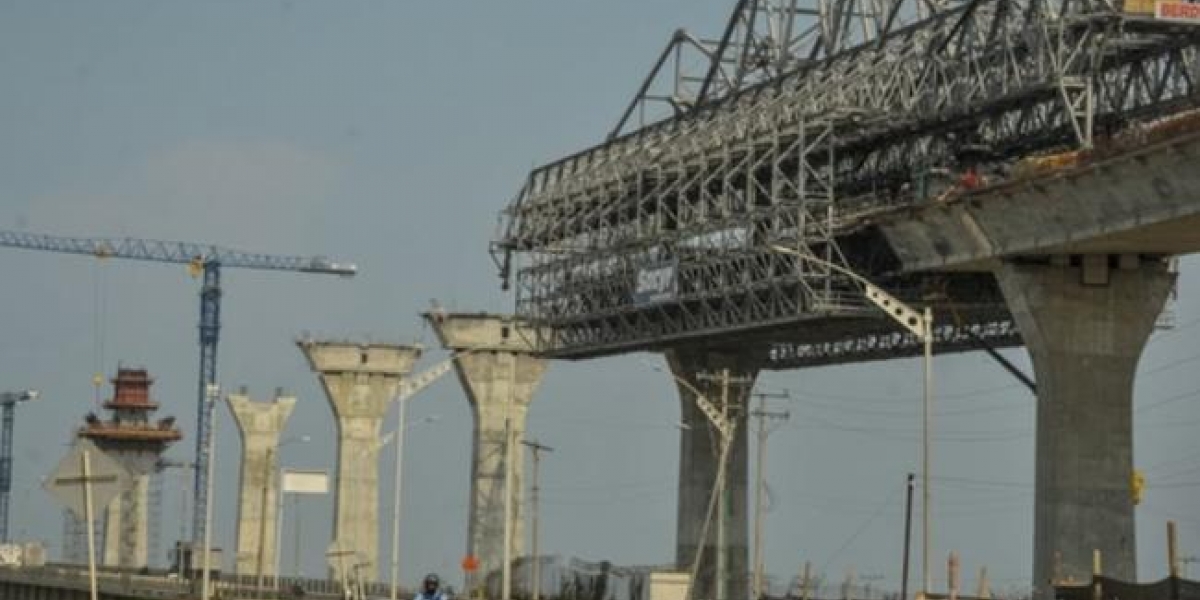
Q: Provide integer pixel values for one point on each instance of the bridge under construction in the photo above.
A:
(1022, 167)
(989, 173)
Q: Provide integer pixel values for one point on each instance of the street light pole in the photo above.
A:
(536, 577)
(927, 432)
(211, 392)
(920, 324)
(262, 521)
(506, 552)
(279, 494)
(401, 416)
(296, 536)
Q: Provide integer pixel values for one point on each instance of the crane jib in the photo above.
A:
(201, 259)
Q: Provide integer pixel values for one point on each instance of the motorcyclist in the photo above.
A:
(431, 589)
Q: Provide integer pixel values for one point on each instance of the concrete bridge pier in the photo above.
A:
(698, 453)
(1085, 320)
(260, 424)
(360, 381)
(500, 375)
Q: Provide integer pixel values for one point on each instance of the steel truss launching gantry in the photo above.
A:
(204, 260)
(804, 117)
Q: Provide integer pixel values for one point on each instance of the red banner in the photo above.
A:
(1186, 12)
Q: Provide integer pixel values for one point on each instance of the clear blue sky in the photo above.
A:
(391, 134)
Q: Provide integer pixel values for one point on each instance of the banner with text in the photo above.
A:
(656, 283)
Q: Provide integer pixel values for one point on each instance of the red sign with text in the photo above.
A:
(1185, 12)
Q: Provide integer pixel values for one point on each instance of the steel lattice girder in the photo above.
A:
(708, 192)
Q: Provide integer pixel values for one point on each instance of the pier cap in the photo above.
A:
(481, 331)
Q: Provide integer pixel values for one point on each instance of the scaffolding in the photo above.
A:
(803, 118)
(74, 540)
(155, 557)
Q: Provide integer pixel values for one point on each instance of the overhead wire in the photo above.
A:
(914, 434)
(981, 392)
(901, 412)
(612, 499)
(891, 497)
(1189, 458)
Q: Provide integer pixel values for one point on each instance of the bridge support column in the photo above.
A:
(1085, 326)
(360, 381)
(500, 374)
(259, 424)
(698, 453)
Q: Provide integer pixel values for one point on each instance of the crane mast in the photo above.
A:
(210, 328)
(8, 403)
(205, 261)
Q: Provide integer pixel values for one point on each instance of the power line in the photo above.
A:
(965, 436)
(863, 527)
(1181, 484)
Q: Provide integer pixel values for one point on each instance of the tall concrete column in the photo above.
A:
(699, 450)
(1085, 324)
(500, 375)
(360, 381)
(260, 424)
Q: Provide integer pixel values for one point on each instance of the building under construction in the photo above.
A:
(132, 439)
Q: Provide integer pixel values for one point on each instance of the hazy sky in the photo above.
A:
(391, 134)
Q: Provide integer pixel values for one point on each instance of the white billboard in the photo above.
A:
(305, 482)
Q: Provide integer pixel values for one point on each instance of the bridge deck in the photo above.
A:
(1142, 201)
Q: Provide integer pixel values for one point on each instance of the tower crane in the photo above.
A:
(204, 260)
(8, 404)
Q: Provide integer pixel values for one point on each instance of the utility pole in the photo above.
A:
(723, 505)
(764, 416)
(726, 428)
(536, 577)
(720, 583)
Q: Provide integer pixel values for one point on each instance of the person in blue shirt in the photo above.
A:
(431, 589)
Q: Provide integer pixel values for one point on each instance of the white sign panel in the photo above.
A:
(305, 482)
(108, 478)
(655, 284)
